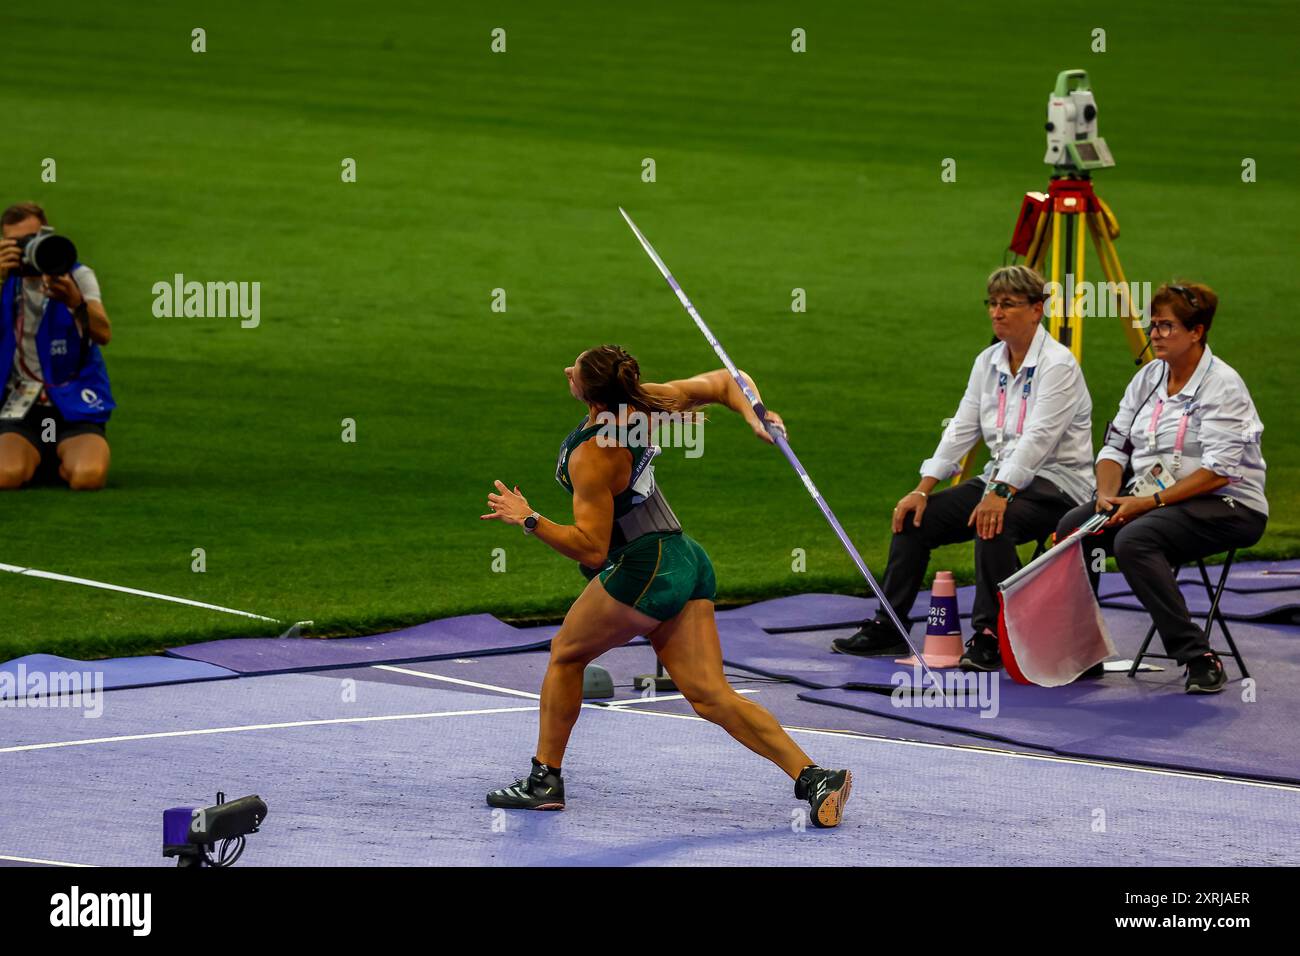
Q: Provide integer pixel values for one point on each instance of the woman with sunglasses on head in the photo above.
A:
(1027, 400)
(1188, 425)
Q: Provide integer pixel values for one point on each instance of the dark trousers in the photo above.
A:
(1033, 514)
(1147, 547)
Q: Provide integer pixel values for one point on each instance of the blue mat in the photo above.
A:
(804, 657)
(37, 671)
(469, 636)
(1280, 607)
(1250, 576)
(1145, 720)
(806, 612)
(1247, 599)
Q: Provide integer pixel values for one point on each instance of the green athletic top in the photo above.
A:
(640, 486)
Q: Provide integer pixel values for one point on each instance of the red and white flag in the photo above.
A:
(1050, 627)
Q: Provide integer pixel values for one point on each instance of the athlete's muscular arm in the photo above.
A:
(594, 471)
(717, 387)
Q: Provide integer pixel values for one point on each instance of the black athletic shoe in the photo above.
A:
(827, 791)
(1205, 674)
(540, 790)
(982, 653)
(875, 639)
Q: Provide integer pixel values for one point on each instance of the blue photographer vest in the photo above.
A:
(82, 396)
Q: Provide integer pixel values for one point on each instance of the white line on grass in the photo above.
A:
(67, 579)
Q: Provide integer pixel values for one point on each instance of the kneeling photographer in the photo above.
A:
(56, 398)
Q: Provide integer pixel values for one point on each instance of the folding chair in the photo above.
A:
(1214, 593)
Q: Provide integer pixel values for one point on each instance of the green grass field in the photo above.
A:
(478, 171)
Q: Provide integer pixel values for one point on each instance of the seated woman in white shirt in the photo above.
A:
(1027, 399)
(1188, 418)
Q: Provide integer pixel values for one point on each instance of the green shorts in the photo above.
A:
(658, 573)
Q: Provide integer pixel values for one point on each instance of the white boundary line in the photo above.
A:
(26, 859)
(67, 579)
(523, 693)
(621, 704)
(233, 730)
(844, 735)
(990, 751)
(455, 680)
(1050, 758)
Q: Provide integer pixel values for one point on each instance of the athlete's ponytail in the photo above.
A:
(612, 377)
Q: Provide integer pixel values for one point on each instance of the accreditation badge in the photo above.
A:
(1155, 479)
(21, 398)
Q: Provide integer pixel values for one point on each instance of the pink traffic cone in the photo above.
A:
(943, 644)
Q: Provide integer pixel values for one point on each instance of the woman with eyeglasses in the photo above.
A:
(1185, 447)
(1027, 399)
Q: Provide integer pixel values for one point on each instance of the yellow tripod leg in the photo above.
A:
(1103, 229)
(1037, 247)
(1054, 324)
(1076, 338)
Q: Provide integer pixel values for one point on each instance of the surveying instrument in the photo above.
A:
(1053, 223)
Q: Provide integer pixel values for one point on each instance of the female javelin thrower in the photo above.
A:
(645, 577)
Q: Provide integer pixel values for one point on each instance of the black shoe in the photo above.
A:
(982, 653)
(1096, 670)
(540, 790)
(875, 639)
(827, 791)
(1205, 674)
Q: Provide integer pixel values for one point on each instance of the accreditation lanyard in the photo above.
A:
(1179, 438)
(1002, 407)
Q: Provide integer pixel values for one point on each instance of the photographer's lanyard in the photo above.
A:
(20, 313)
(1002, 407)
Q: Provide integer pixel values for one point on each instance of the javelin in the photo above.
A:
(778, 436)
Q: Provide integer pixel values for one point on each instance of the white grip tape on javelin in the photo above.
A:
(808, 483)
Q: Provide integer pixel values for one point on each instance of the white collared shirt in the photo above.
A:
(1056, 440)
(1223, 428)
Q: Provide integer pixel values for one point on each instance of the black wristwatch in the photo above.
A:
(530, 523)
(1002, 490)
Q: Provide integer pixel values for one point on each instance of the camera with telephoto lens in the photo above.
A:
(46, 253)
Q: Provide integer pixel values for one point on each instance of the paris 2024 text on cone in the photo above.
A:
(943, 645)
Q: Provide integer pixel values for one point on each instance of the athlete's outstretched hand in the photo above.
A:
(510, 506)
(761, 431)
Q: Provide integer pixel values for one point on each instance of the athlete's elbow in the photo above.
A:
(595, 558)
